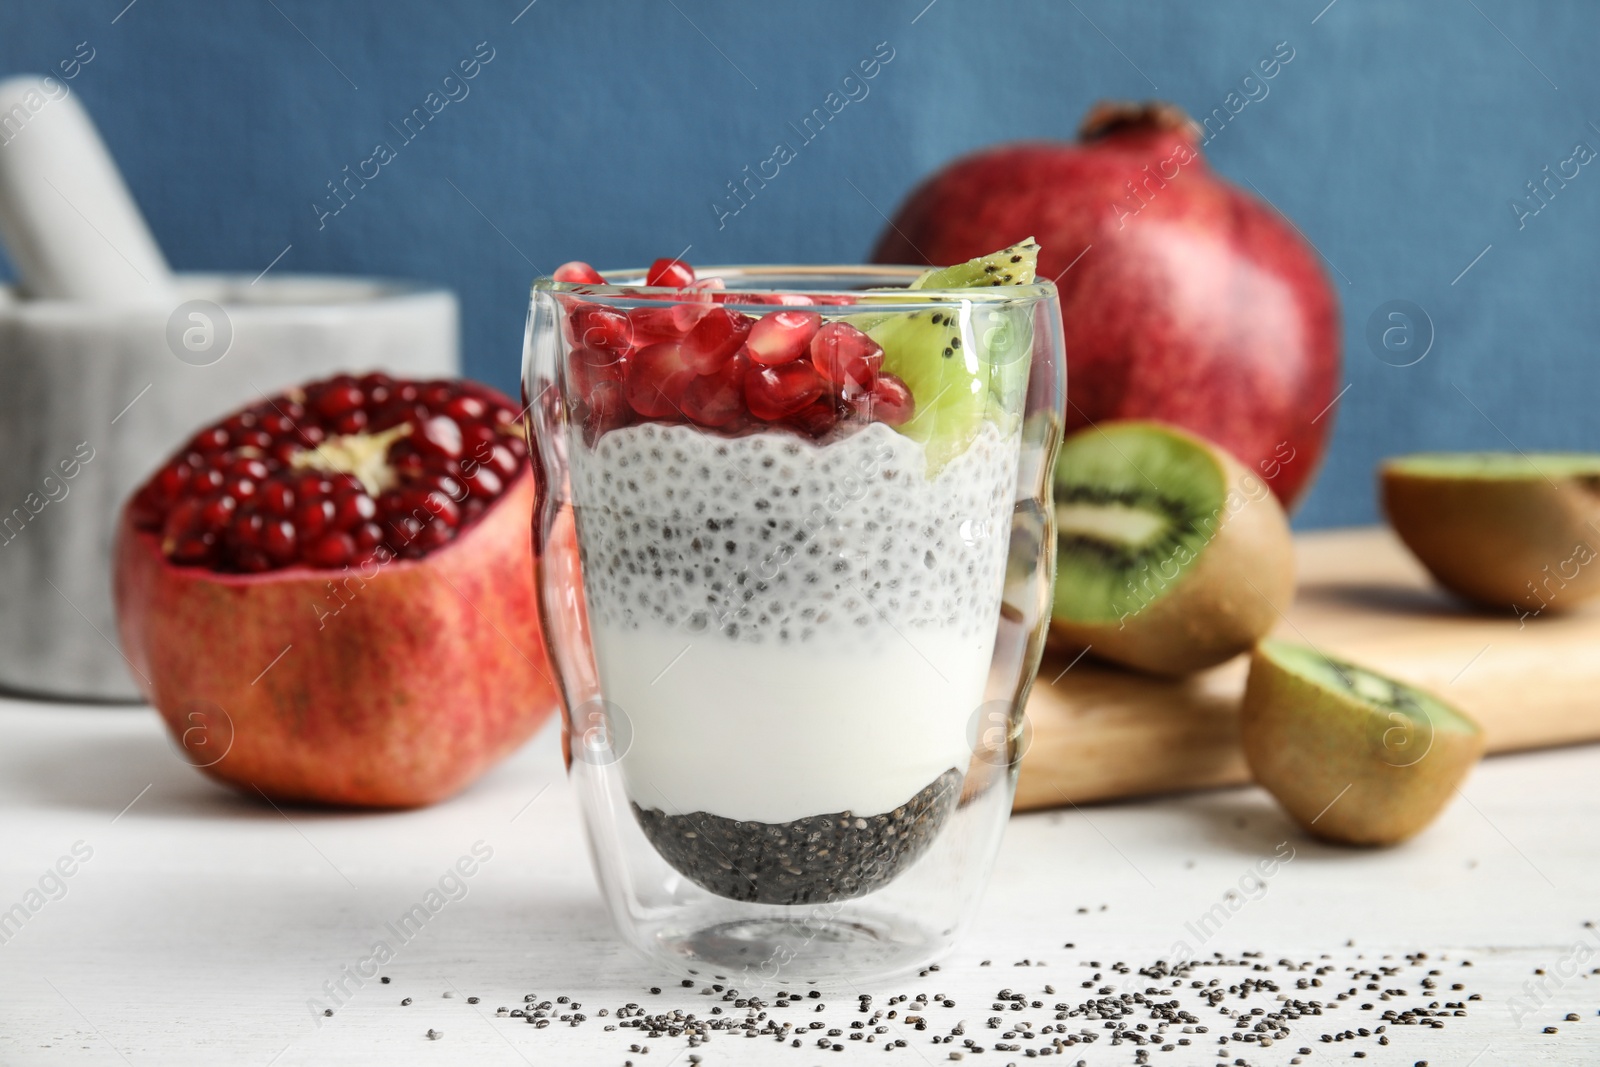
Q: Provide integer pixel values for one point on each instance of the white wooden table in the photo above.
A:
(198, 926)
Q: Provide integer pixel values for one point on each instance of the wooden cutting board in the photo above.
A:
(1099, 732)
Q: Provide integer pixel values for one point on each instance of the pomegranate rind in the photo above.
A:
(390, 686)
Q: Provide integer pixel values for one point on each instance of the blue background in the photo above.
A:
(1396, 139)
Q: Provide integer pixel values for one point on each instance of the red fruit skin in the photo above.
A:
(1195, 304)
(431, 672)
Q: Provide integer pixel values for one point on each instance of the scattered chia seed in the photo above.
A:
(434, 1035)
(384, 979)
(404, 1002)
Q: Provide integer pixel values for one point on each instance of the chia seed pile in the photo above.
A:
(813, 860)
(1239, 1011)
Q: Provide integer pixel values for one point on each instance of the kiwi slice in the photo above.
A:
(1354, 756)
(1009, 266)
(965, 363)
(1170, 556)
(1501, 529)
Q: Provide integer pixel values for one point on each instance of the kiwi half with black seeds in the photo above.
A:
(1170, 556)
(1353, 755)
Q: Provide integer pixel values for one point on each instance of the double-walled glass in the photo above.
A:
(794, 646)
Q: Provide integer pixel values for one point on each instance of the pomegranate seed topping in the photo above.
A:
(602, 328)
(717, 399)
(817, 417)
(578, 272)
(774, 392)
(588, 368)
(890, 400)
(332, 550)
(782, 336)
(671, 273)
(657, 377)
(844, 355)
(654, 325)
(717, 336)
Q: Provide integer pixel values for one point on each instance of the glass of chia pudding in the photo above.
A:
(795, 556)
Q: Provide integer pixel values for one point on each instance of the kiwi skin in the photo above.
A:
(1227, 600)
(1306, 743)
(1525, 542)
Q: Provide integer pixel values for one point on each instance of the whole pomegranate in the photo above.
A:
(329, 595)
(1184, 299)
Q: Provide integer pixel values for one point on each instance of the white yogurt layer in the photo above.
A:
(791, 629)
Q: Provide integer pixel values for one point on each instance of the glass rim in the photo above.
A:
(628, 285)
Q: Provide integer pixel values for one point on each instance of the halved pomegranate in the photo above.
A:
(343, 575)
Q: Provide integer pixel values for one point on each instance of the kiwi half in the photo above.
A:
(1501, 529)
(1354, 756)
(1170, 556)
(967, 362)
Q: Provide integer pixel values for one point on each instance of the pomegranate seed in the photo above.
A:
(483, 482)
(517, 444)
(218, 510)
(602, 328)
(277, 498)
(504, 462)
(312, 486)
(351, 422)
(844, 355)
(432, 504)
(312, 518)
(278, 540)
(368, 535)
(311, 436)
(258, 439)
(782, 336)
(447, 485)
(718, 335)
(590, 367)
(606, 408)
(717, 399)
(376, 380)
(338, 399)
(240, 488)
(437, 394)
(183, 519)
(774, 392)
(439, 436)
(194, 549)
(472, 509)
(252, 560)
(331, 550)
(395, 412)
(213, 440)
(466, 409)
(578, 273)
(407, 392)
(817, 417)
(245, 531)
(890, 401)
(657, 377)
(170, 482)
(351, 509)
(669, 273)
(204, 482)
(653, 325)
(248, 468)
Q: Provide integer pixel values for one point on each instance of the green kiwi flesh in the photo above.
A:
(1170, 556)
(1353, 755)
(966, 363)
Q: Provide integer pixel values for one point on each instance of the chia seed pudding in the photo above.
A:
(798, 634)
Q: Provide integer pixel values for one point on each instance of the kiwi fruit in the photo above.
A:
(1354, 756)
(1170, 556)
(965, 363)
(1502, 529)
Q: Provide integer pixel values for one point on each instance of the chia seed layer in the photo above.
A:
(814, 860)
(773, 538)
